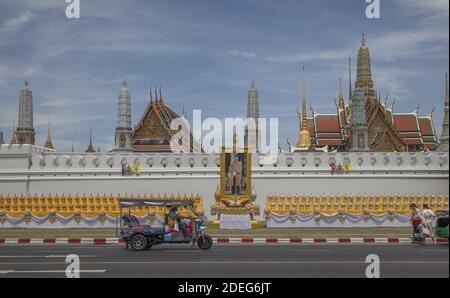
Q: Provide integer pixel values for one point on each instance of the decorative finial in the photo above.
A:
(160, 93)
(125, 84)
(253, 85)
(151, 95)
(432, 111)
(26, 84)
(156, 93)
(363, 39)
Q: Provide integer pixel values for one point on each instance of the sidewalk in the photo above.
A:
(215, 232)
(220, 241)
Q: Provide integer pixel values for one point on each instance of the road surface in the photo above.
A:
(226, 261)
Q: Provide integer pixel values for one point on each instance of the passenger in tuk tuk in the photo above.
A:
(175, 216)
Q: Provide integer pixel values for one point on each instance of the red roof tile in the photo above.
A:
(311, 128)
(426, 126)
(329, 142)
(327, 123)
(406, 122)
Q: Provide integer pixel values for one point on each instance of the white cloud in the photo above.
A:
(13, 24)
(437, 8)
(243, 54)
(326, 55)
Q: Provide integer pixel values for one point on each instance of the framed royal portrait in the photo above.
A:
(235, 174)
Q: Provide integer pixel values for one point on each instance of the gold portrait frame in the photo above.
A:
(223, 175)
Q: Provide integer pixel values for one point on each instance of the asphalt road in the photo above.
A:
(227, 261)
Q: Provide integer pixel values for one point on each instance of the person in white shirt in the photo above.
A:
(429, 218)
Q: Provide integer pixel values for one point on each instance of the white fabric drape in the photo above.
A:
(235, 222)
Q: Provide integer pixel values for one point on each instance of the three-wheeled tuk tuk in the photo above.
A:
(442, 223)
(141, 237)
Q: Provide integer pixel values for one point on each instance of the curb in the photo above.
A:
(269, 241)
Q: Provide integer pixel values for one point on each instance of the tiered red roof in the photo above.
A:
(409, 128)
(327, 130)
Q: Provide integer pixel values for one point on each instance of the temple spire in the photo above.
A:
(443, 147)
(304, 140)
(90, 148)
(304, 109)
(13, 137)
(252, 133)
(48, 143)
(25, 133)
(122, 135)
(364, 71)
(341, 96)
(350, 87)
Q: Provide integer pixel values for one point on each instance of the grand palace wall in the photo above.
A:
(30, 171)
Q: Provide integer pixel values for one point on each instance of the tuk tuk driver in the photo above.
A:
(175, 216)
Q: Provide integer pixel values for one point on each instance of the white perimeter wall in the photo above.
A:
(28, 170)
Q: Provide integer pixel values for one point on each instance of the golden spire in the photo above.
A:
(304, 110)
(341, 96)
(48, 144)
(90, 148)
(304, 139)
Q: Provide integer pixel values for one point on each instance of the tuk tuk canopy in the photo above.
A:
(130, 203)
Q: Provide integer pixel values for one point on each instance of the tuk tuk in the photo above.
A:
(141, 236)
(442, 223)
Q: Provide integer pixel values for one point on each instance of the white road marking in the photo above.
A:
(312, 250)
(51, 271)
(50, 256)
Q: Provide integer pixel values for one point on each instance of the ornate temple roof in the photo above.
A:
(394, 130)
(409, 128)
(153, 133)
(327, 129)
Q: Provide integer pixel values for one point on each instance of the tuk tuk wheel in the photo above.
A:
(139, 242)
(205, 242)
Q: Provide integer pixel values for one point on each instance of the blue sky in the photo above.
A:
(205, 53)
